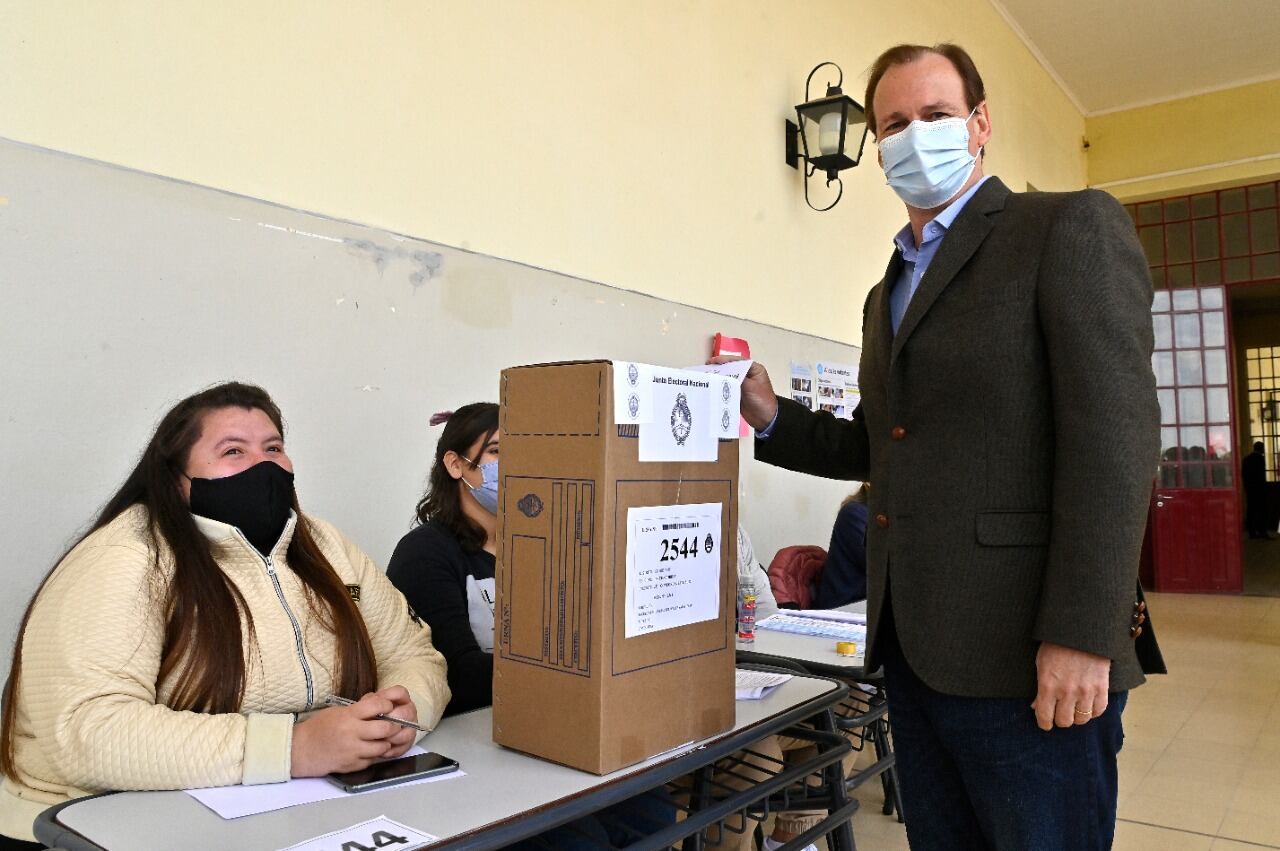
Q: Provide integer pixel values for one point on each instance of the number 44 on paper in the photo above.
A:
(371, 835)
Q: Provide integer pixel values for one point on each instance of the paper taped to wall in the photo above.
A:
(802, 384)
(837, 388)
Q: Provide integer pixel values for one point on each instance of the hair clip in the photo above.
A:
(440, 417)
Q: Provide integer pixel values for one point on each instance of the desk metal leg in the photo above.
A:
(889, 778)
(840, 839)
(718, 807)
(699, 797)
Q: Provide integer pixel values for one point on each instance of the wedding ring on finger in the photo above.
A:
(1083, 713)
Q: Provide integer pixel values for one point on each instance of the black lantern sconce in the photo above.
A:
(827, 129)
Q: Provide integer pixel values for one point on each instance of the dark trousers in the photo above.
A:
(977, 773)
(1255, 512)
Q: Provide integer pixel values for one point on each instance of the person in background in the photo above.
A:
(446, 568)
(1253, 478)
(844, 576)
(445, 565)
(192, 636)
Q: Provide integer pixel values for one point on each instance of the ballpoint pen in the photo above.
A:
(334, 700)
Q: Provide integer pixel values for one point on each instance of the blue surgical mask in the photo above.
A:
(928, 163)
(487, 493)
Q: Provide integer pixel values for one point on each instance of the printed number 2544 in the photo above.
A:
(674, 549)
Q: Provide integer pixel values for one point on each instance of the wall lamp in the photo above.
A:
(826, 128)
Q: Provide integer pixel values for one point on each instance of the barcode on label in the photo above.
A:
(669, 526)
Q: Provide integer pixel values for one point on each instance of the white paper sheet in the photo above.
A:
(754, 685)
(802, 384)
(673, 566)
(726, 398)
(236, 801)
(852, 398)
(380, 832)
(682, 407)
(832, 615)
(790, 621)
(833, 383)
(632, 392)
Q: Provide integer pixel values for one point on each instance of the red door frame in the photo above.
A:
(1204, 520)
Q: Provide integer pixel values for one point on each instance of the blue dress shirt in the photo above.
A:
(915, 262)
(916, 259)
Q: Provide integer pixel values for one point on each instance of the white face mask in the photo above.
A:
(928, 163)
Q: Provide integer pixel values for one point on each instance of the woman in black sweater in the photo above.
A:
(444, 566)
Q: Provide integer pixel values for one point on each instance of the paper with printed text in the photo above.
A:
(673, 566)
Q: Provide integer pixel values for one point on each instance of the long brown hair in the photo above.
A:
(859, 496)
(202, 606)
(443, 501)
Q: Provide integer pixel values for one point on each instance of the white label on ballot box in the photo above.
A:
(632, 393)
(681, 427)
(380, 832)
(673, 566)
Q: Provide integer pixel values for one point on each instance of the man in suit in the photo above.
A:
(1009, 422)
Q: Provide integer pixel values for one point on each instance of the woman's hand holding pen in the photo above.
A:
(402, 707)
(348, 738)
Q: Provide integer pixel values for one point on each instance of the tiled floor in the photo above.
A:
(1261, 567)
(1200, 769)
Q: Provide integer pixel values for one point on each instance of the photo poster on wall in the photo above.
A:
(836, 387)
(802, 384)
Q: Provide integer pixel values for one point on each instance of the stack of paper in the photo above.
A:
(753, 685)
(808, 624)
(832, 615)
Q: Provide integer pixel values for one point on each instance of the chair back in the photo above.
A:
(794, 574)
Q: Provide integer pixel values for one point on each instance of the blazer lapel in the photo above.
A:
(960, 242)
(880, 323)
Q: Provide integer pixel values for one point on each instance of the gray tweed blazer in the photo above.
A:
(1010, 433)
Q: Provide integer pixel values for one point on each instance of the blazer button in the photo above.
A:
(898, 433)
(882, 520)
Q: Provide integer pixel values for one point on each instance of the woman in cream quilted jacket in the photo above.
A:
(192, 636)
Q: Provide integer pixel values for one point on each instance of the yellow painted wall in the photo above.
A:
(1187, 135)
(635, 143)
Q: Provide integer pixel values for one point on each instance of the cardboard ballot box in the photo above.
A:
(616, 576)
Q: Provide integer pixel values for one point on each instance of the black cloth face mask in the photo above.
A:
(256, 501)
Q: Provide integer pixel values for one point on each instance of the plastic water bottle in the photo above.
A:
(746, 612)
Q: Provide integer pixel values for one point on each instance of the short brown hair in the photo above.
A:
(974, 91)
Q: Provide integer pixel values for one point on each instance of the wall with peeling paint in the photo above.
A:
(639, 144)
(124, 292)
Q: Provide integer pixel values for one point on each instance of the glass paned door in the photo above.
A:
(1195, 544)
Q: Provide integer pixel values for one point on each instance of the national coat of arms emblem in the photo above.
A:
(681, 420)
